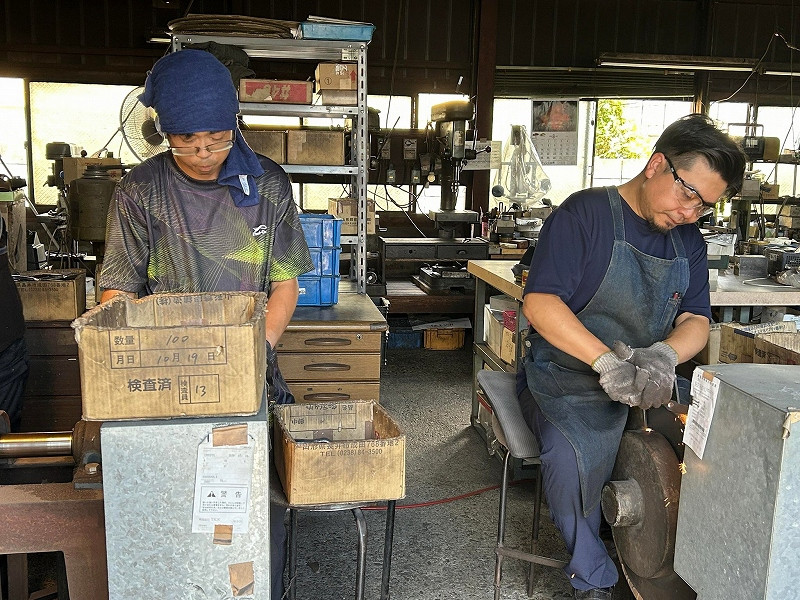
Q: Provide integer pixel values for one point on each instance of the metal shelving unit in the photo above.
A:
(320, 51)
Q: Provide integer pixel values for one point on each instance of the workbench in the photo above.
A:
(330, 353)
(733, 298)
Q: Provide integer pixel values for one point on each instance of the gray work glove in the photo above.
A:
(658, 361)
(622, 381)
(277, 390)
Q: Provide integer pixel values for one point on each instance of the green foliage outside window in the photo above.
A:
(617, 137)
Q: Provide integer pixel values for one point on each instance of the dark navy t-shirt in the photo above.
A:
(574, 251)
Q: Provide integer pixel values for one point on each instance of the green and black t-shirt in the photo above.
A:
(168, 232)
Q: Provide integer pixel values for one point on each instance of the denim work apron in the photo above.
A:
(636, 302)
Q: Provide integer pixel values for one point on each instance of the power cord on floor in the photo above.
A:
(442, 500)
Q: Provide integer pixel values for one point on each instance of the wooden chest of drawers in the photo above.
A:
(334, 353)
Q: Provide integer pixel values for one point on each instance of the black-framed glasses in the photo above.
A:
(195, 150)
(688, 197)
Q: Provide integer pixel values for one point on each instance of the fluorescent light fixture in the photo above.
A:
(784, 73)
(677, 62)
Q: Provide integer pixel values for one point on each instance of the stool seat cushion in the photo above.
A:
(501, 391)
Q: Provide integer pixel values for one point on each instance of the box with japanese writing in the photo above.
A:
(57, 295)
(330, 452)
(275, 91)
(336, 76)
(173, 355)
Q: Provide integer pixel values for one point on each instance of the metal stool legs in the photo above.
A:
(361, 564)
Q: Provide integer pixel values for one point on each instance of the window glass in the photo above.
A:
(12, 116)
(626, 133)
(84, 115)
(395, 111)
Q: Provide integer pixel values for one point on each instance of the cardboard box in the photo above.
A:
(770, 191)
(444, 339)
(777, 348)
(737, 340)
(503, 302)
(336, 76)
(74, 167)
(508, 347)
(173, 355)
(493, 329)
(338, 97)
(315, 147)
(275, 91)
(710, 354)
(346, 209)
(339, 452)
(271, 144)
(57, 295)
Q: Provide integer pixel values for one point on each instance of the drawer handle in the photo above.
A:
(328, 342)
(327, 367)
(461, 252)
(326, 397)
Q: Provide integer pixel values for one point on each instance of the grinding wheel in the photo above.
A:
(641, 504)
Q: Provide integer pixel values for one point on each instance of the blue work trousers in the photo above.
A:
(590, 566)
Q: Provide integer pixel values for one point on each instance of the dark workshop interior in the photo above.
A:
(424, 145)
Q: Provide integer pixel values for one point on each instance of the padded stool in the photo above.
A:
(513, 433)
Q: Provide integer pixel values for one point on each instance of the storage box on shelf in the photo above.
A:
(323, 236)
(57, 295)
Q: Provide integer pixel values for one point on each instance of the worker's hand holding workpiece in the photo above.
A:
(659, 361)
(622, 381)
(641, 377)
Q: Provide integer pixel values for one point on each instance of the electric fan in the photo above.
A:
(138, 127)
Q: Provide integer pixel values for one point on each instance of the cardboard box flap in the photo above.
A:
(174, 310)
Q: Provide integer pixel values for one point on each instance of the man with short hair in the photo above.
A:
(617, 295)
(209, 215)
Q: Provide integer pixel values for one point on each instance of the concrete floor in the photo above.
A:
(443, 551)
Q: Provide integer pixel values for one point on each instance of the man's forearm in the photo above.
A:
(557, 324)
(280, 308)
(689, 336)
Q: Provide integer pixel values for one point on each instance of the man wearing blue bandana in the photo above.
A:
(208, 215)
(617, 295)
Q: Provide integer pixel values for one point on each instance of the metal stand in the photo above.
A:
(361, 524)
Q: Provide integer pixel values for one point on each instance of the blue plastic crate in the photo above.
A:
(325, 261)
(318, 290)
(356, 32)
(322, 231)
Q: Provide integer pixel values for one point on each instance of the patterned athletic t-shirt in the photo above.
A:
(168, 232)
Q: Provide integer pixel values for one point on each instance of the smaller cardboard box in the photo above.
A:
(338, 97)
(777, 348)
(336, 76)
(346, 209)
(737, 341)
(271, 144)
(57, 295)
(770, 191)
(331, 452)
(493, 329)
(508, 347)
(709, 355)
(173, 355)
(275, 91)
(315, 147)
(444, 339)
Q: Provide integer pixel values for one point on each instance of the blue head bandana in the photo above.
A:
(192, 91)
